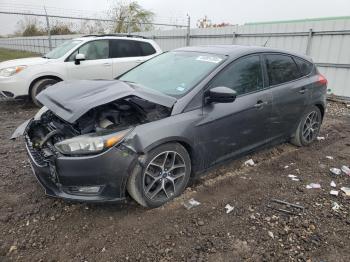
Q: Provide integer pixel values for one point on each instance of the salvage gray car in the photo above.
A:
(174, 116)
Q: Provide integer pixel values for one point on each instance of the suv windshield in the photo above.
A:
(61, 50)
(174, 73)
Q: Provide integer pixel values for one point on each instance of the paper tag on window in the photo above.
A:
(210, 59)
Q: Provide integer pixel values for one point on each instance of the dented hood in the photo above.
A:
(71, 99)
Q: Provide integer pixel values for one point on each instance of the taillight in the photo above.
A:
(322, 80)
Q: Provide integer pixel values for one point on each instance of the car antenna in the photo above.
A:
(266, 42)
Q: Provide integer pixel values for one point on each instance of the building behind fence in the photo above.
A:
(326, 40)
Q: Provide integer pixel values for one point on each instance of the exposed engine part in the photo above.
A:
(48, 136)
(115, 116)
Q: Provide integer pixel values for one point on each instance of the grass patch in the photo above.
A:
(7, 54)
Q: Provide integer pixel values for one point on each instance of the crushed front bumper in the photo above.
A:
(62, 176)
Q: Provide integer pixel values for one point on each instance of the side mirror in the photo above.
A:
(78, 58)
(220, 94)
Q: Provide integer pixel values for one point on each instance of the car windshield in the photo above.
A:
(62, 49)
(173, 73)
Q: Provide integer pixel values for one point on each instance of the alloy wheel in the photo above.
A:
(311, 126)
(164, 175)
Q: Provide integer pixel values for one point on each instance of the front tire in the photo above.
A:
(308, 128)
(165, 175)
(40, 86)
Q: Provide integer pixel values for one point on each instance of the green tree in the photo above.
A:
(130, 16)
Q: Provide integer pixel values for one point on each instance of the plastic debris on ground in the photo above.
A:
(335, 206)
(346, 170)
(319, 138)
(313, 185)
(286, 207)
(294, 177)
(334, 192)
(333, 184)
(249, 162)
(335, 171)
(330, 157)
(346, 190)
(229, 208)
(191, 203)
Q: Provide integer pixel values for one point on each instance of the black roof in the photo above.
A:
(235, 50)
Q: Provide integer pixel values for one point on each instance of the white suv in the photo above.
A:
(88, 57)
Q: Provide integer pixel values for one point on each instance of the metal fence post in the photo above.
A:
(234, 38)
(188, 34)
(308, 45)
(48, 29)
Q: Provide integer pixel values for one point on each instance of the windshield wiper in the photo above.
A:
(44, 56)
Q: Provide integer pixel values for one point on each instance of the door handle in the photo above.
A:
(139, 61)
(302, 91)
(260, 104)
(107, 64)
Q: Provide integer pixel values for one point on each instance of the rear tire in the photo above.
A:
(308, 128)
(165, 175)
(39, 86)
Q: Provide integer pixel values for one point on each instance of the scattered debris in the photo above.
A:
(285, 167)
(294, 177)
(191, 203)
(12, 249)
(229, 208)
(334, 192)
(271, 234)
(249, 162)
(335, 206)
(319, 138)
(346, 190)
(330, 157)
(313, 185)
(333, 184)
(346, 170)
(285, 207)
(335, 171)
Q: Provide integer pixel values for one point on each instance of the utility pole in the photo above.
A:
(48, 29)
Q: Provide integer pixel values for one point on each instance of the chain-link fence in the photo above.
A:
(41, 31)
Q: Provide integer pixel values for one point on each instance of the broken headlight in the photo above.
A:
(90, 143)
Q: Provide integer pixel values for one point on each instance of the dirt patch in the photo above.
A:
(34, 227)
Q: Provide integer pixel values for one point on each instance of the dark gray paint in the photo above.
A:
(211, 133)
(71, 99)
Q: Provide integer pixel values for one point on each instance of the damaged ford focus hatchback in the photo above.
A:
(147, 132)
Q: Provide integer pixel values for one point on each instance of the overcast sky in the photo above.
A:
(232, 11)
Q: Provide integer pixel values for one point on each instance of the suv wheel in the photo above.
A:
(39, 86)
(309, 127)
(165, 176)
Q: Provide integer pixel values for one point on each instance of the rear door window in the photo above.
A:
(125, 48)
(281, 69)
(305, 67)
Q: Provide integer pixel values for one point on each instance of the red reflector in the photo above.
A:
(322, 80)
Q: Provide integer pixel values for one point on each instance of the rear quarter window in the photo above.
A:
(305, 67)
(281, 69)
(147, 49)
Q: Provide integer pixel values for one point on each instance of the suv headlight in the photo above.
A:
(10, 71)
(90, 143)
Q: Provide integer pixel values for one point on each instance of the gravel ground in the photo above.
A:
(34, 227)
